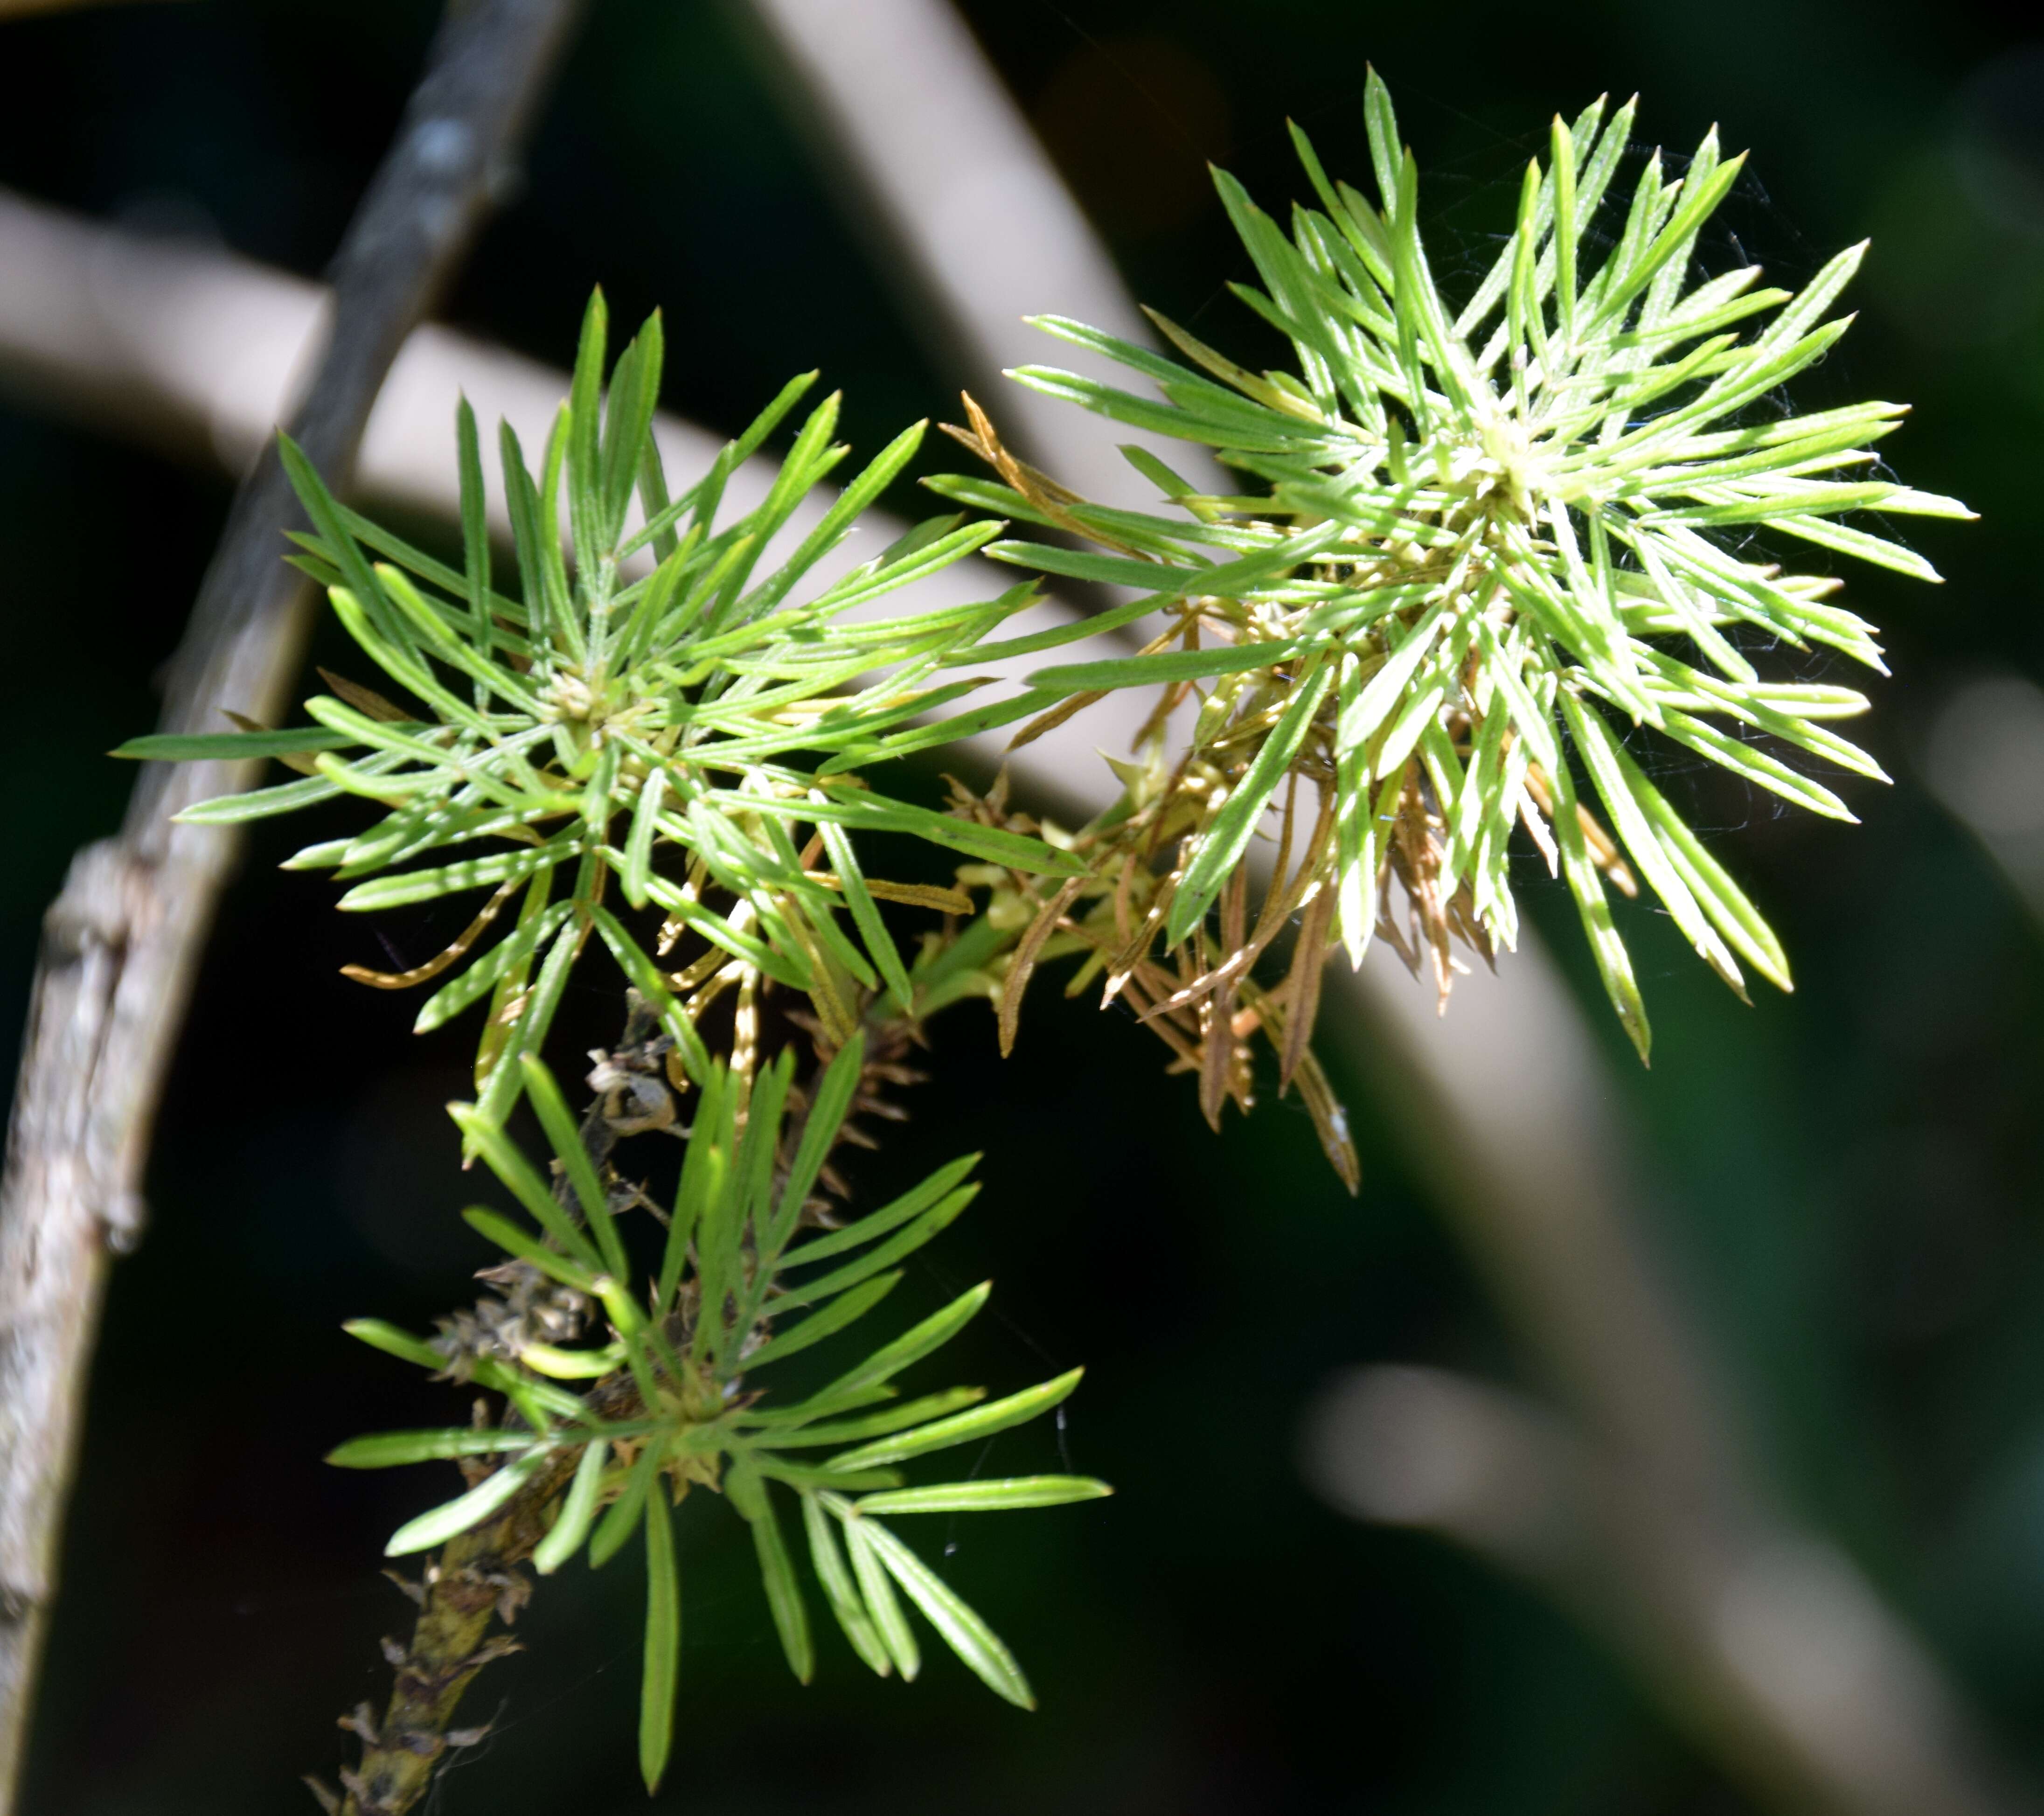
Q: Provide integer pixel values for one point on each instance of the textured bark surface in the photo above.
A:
(121, 944)
(475, 1580)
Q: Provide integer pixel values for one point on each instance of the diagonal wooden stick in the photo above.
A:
(122, 942)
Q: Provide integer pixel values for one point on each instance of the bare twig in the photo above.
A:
(475, 1580)
(1983, 755)
(121, 942)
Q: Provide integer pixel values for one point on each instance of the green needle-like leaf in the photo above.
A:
(1221, 847)
(500, 1153)
(571, 1525)
(754, 1500)
(618, 1524)
(661, 1672)
(874, 1425)
(842, 1311)
(231, 746)
(963, 1629)
(912, 1204)
(387, 1449)
(559, 1122)
(985, 1497)
(451, 1518)
(842, 1594)
(981, 1422)
(889, 1622)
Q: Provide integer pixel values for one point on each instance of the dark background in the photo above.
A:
(1853, 1172)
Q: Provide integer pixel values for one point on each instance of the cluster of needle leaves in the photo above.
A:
(680, 731)
(745, 1280)
(1478, 554)
(1482, 540)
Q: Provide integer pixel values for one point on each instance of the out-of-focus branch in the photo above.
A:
(1516, 1128)
(196, 352)
(1753, 1638)
(977, 225)
(1984, 759)
(1506, 1099)
(122, 943)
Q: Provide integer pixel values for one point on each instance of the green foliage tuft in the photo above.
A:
(673, 735)
(676, 1404)
(1485, 539)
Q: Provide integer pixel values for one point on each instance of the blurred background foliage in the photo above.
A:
(1852, 1178)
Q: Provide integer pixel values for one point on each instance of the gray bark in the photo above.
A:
(121, 944)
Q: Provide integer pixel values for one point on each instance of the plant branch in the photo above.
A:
(122, 942)
(474, 1581)
(476, 1578)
